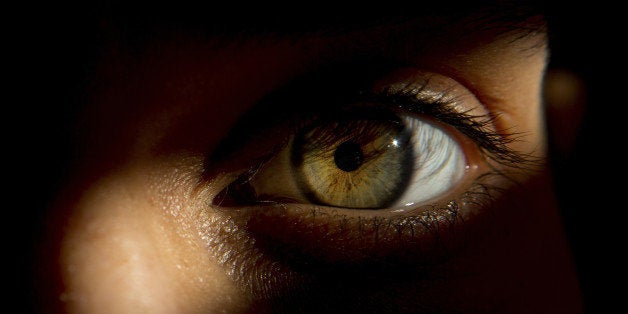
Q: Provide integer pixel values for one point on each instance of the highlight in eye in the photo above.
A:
(439, 163)
(361, 158)
(375, 160)
(412, 140)
(364, 160)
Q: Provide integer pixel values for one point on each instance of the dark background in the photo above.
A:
(52, 51)
(590, 182)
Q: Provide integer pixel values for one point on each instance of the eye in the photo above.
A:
(374, 160)
(362, 159)
(345, 167)
(397, 146)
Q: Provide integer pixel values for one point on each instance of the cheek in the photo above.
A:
(522, 251)
(131, 235)
(130, 246)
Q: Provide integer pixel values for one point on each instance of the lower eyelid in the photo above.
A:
(330, 235)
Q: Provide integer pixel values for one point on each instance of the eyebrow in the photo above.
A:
(138, 25)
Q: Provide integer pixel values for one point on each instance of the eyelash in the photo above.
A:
(492, 144)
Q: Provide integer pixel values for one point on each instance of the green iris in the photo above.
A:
(361, 162)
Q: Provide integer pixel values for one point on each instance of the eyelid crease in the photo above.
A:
(267, 128)
(333, 235)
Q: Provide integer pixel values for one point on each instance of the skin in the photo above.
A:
(141, 235)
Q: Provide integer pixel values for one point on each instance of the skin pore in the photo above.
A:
(141, 232)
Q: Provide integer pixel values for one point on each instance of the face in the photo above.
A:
(389, 166)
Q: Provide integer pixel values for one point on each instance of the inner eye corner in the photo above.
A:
(322, 169)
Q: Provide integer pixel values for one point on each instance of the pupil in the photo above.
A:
(348, 156)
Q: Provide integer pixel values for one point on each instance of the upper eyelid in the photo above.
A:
(439, 105)
(493, 143)
(316, 89)
(294, 100)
